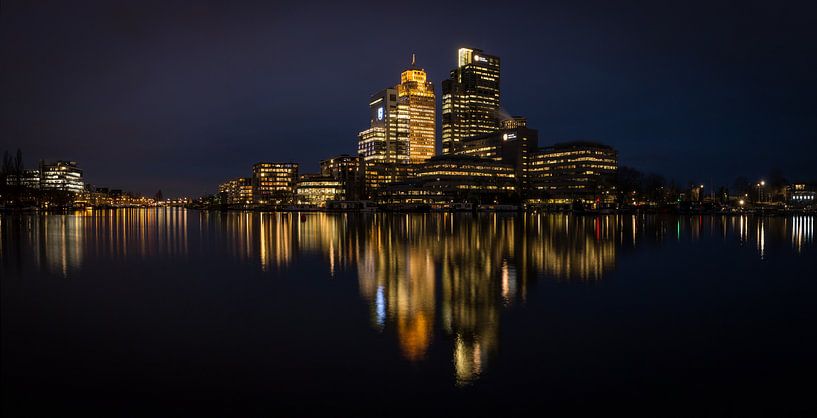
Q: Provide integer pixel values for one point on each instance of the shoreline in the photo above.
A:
(754, 212)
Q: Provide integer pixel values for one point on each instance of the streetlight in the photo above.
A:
(760, 186)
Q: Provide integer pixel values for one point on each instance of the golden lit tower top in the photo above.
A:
(417, 113)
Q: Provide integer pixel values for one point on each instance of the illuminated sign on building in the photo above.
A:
(380, 113)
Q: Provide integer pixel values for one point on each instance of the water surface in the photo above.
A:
(171, 311)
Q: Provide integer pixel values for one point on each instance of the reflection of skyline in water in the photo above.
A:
(447, 277)
(58, 243)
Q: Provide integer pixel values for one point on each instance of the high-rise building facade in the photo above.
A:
(382, 142)
(402, 125)
(416, 113)
(470, 98)
(273, 183)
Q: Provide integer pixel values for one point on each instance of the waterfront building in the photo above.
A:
(61, 176)
(416, 113)
(315, 189)
(571, 172)
(382, 140)
(237, 191)
(273, 183)
(378, 175)
(511, 144)
(27, 178)
(801, 194)
(454, 179)
(103, 197)
(470, 98)
(349, 171)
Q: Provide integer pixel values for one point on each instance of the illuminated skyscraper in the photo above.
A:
(381, 143)
(402, 123)
(470, 98)
(416, 113)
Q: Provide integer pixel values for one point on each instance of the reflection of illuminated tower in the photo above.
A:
(470, 98)
(414, 297)
(416, 113)
(399, 280)
(398, 266)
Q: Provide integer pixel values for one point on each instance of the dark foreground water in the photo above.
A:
(175, 312)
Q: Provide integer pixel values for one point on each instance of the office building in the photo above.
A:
(378, 175)
(61, 176)
(349, 171)
(402, 121)
(416, 113)
(470, 98)
(27, 178)
(237, 191)
(511, 144)
(572, 172)
(315, 190)
(454, 179)
(382, 141)
(274, 183)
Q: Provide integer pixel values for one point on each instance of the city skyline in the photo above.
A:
(722, 112)
(480, 208)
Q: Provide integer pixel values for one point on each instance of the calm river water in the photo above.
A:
(172, 311)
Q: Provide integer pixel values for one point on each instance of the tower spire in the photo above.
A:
(412, 59)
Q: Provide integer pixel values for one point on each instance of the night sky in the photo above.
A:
(181, 95)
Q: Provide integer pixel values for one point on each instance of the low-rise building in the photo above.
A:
(237, 191)
(572, 172)
(347, 169)
(377, 175)
(455, 179)
(512, 144)
(27, 178)
(315, 189)
(62, 176)
(801, 194)
(274, 183)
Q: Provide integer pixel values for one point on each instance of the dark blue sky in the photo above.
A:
(181, 95)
